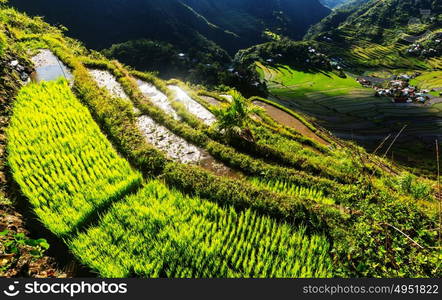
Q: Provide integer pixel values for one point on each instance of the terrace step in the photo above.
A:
(193, 106)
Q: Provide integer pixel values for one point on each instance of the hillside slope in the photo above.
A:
(192, 39)
(376, 19)
(371, 39)
(379, 33)
(228, 190)
(230, 24)
(249, 18)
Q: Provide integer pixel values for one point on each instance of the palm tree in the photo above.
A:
(234, 119)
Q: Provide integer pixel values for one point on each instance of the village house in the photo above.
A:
(364, 82)
(400, 90)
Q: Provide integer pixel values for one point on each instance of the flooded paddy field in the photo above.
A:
(178, 149)
(175, 147)
(106, 80)
(162, 138)
(193, 106)
(48, 67)
(157, 97)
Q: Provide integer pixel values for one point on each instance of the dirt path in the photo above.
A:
(290, 121)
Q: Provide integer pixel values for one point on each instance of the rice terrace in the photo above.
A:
(280, 154)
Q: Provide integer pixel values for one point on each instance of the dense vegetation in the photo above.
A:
(22, 254)
(178, 22)
(205, 38)
(337, 17)
(383, 16)
(250, 18)
(2, 43)
(161, 233)
(293, 190)
(373, 34)
(59, 157)
(319, 194)
(375, 40)
(203, 63)
(285, 51)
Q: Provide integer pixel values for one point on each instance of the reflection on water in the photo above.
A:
(193, 106)
(106, 80)
(174, 146)
(48, 67)
(178, 149)
(157, 98)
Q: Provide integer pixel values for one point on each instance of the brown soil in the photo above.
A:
(22, 262)
(218, 168)
(290, 121)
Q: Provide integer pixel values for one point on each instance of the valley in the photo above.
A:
(354, 113)
(332, 96)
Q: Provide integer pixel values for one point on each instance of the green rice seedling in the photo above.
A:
(282, 187)
(161, 233)
(62, 162)
(2, 42)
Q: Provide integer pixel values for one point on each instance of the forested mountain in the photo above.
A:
(101, 23)
(369, 40)
(249, 18)
(192, 39)
(232, 24)
(374, 33)
(375, 19)
(109, 171)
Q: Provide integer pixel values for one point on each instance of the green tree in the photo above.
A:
(234, 119)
